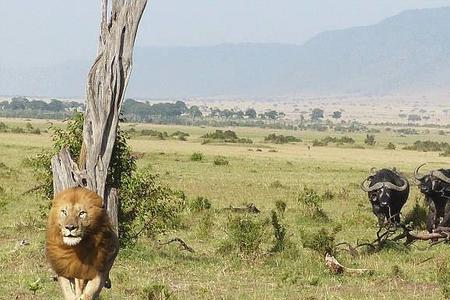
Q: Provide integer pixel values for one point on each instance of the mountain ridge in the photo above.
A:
(406, 52)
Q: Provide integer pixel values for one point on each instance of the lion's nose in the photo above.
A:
(71, 227)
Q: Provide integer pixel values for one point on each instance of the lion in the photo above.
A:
(81, 244)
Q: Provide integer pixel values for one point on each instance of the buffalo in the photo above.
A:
(387, 191)
(435, 185)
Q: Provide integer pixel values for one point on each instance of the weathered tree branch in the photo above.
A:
(106, 84)
(181, 242)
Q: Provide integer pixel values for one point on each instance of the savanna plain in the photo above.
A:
(229, 262)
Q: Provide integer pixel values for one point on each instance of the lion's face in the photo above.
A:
(76, 213)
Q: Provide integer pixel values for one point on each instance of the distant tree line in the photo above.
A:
(24, 107)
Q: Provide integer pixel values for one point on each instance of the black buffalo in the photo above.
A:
(387, 191)
(436, 187)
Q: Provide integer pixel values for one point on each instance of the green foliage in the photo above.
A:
(35, 286)
(3, 127)
(227, 136)
(17, 130)
(279, 231)
(370, 140)
(426, 146)
(245, 234)
(42, 171)
(200, 204)
(330, 139)
(280, 205)
(197, 156)
(180, 135)
(310, 201)
(317, 114)
(147, 207)
(70, 137)
(281, 139)
(390, 146)
(321, 241)
(154, 133)
(157, 292)
(221, 161)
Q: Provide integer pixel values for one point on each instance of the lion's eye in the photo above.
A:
(64, 212)
(82, 214)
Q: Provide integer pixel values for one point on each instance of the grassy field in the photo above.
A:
(259, 173)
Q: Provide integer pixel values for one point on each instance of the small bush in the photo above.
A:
(281, 139)
(370, 140)
(3, 127)
(17, 130)
(220, 161)
(227, 136)
(245, 234)
(200, 204)
(147, 207)
(390, 146)
(197, 156)
(281, 207)
(279, 231)
(427, 146)
(309, 201)
(157, 292)
(180, 135)
(321, 241)
(154, 133)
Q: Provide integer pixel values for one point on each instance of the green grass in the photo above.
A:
(295, 273)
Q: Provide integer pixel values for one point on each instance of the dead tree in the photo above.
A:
(106, 85)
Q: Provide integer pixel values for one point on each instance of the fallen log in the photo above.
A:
(337, 268)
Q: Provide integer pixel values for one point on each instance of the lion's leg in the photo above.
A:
(66, 288)
(79, 286)
(94, 287)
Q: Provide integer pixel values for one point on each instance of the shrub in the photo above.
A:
(279, 231)
(154, 133)
(390, 146)
(180, 135)
(280, 205)
(281, 139)
(220, 161)
(370, 140)
(309, 201)
(147, 207)
(227, 136)
(197, 156)
(426, 146)
(200, 204)
(245, 233)
(157, 292)
(3, 127)
(321, 241)
(17, 130)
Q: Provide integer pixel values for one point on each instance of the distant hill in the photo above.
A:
(407, 52)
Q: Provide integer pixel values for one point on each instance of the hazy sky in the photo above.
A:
(51, 31)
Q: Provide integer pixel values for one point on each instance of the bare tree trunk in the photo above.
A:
(106, 84)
